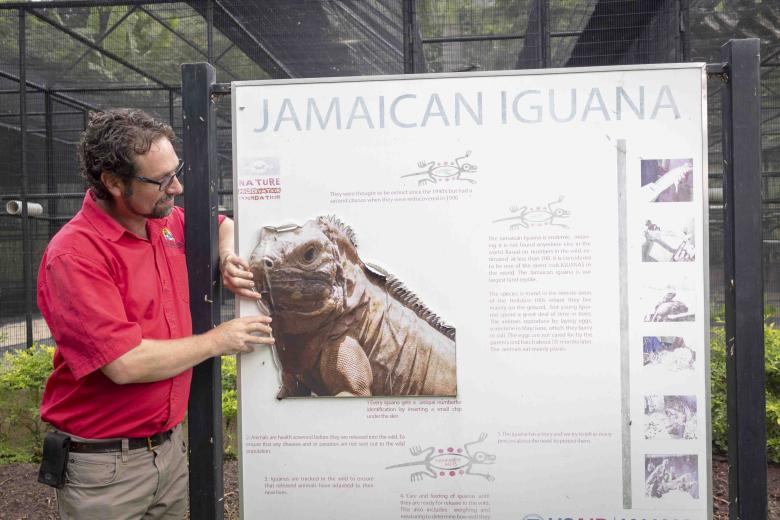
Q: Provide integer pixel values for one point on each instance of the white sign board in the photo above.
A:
(556, 220)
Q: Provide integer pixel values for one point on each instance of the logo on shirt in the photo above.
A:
(167, 234)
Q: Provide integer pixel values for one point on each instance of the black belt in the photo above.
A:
(116, 445)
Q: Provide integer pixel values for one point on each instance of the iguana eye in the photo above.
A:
(308, 255)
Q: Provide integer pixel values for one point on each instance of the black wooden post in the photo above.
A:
(201, 238)
(741, 100)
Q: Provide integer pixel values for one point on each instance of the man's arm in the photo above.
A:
(235, 270)
(155, 360)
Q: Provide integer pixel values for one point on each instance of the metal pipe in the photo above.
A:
(475, 38)
(117, 89)
(408, 15)
(544, 33)
(49, 4)
(51, 184)
(26, 238)
(36, 196)
(47, 93)
(170, 108)
(210, 31)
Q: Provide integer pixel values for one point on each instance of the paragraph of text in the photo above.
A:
(397, 408)
(285, 485)
(539, 321)
(388, 196)
(527, 258)
(261, 444)
(445, 506)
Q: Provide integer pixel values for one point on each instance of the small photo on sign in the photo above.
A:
(668, 239)
(672, 302)
(667, 180)
(670, 417)
(667, 354)
(672, 477)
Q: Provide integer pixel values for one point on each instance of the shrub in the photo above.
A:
(772, 370)
(229, 406)
(23, 374)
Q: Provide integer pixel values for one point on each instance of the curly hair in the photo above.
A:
(112, 141)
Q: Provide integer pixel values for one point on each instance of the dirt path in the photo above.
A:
(22, 498)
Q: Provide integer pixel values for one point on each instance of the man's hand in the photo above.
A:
(241, 335)
(236, 275)
(155, 360)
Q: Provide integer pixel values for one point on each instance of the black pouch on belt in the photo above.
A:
(55, 459)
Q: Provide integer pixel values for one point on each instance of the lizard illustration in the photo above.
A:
(452, 462)
(444, 171)
(537, 216)
(344, 327)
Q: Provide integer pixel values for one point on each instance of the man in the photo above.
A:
(113, 289)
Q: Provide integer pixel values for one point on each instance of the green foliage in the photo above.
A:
(772, 371)
(229, 405)
(22, 377)
(718, 386)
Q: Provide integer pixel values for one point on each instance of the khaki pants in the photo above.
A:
(133, 485)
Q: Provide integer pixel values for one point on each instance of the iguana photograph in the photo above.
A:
(344, 327)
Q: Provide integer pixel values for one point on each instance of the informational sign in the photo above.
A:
(489, 295)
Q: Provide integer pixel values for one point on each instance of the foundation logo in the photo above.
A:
(166, 233)
(260, 178)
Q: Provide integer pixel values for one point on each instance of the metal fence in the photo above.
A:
(61, 59)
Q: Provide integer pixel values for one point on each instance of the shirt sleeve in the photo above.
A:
(86, 313)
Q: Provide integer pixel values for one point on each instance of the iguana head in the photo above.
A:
(300, 270)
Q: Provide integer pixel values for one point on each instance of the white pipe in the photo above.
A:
(14, 207)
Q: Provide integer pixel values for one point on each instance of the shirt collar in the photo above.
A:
(105, 225)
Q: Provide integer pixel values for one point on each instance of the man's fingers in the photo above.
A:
(258, 318)
(262, 327)
(237, 271)
(248, 293)
(237, 260)
(260, 340)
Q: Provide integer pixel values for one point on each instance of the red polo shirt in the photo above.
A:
(101, 289)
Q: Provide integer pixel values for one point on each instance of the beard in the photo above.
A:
(160, 210)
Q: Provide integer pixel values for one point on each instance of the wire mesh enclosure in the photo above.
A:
(61, 59)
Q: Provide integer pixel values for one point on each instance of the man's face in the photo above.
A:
(158, 164)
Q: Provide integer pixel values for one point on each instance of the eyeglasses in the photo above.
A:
(167, 180)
